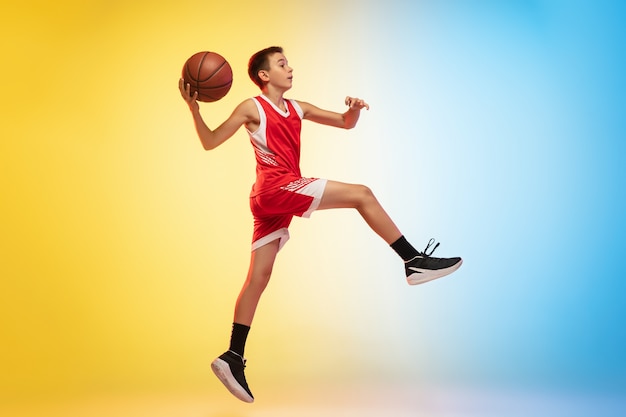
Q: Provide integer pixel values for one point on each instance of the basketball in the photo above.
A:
(209, 74)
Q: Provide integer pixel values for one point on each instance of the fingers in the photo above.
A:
(185, 91)
(356, 103)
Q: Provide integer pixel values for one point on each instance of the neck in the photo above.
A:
(275, 96)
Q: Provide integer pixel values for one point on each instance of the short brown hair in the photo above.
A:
(260, 61)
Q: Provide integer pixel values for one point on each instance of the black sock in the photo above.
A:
(404, 249)
(238, 338)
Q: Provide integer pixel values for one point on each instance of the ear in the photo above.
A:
(264, 75)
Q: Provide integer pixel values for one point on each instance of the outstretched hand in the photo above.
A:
(185, 92)
(356, 103)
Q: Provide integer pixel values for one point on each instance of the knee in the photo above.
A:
(364, 194)
(260, 277)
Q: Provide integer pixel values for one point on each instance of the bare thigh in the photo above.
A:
(361, 198)
(343, 195)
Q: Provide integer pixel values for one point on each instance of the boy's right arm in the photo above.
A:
(244, 113)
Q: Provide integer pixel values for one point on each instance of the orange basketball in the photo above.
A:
(209, 74)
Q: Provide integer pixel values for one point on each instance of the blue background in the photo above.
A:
(517, 130)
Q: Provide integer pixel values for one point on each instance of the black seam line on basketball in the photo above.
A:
(213, 74)
(216, 86)
(199, 68)
(210, 96)
(188, 77)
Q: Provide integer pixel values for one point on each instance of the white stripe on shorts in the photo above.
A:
(281, 234)
(313, 189)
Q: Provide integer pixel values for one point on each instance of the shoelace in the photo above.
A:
(430, 243)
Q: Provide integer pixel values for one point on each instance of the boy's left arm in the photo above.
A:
(345, 120)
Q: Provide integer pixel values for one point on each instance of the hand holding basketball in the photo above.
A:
(186, 94)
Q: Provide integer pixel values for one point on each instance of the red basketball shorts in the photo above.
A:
(274, 209)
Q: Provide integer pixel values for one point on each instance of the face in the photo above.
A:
(280, 74)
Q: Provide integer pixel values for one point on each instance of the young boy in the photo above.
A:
(280, 192)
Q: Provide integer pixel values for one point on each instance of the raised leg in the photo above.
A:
(361, 198)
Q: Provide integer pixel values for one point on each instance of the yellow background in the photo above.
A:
(123, 243)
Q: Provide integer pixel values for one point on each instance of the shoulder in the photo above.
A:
(247, 104)
(308, 110)
(247, 108)
(302, 104)
(305, 107)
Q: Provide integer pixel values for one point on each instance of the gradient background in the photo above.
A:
(496, 127)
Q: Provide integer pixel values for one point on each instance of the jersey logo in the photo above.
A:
(267, 158)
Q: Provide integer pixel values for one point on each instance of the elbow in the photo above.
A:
(346, 125)
(349, 122)
(207, 145)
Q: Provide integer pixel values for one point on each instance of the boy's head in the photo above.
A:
(260, 61)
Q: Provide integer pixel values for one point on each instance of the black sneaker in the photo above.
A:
(424, 268)
(229, 369)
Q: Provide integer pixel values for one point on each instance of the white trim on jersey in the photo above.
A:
(259, 136)
(285, 113)
(298, 108)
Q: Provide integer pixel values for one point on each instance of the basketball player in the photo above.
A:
(280, 192)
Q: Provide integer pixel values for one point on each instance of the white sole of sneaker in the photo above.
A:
(427, 275)
(222, 371)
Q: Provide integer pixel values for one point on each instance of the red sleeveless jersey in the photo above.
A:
(276, 144)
